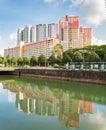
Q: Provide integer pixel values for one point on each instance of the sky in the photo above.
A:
(16, 14)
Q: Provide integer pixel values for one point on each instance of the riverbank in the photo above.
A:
(97, 77)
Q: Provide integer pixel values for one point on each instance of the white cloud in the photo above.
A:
(96, 41)
(76, 2)
(93, 11)
(49, 1)
(55, 2)
(13, 39)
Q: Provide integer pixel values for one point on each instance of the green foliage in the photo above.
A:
(104, 59)
(66, 58)
(58, 60)
(41, 59)
(95, 57)
(33, 61)
(101, 51)
(57, 51)
(1, 60)
(20, 61)
(14, 61)
(5, 62)
(78, 57)
(26, 61)
(9, 61)
(52, 59)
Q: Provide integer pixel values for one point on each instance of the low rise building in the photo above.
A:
(32, 49)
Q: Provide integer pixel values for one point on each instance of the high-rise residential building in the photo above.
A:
(85, 35)
(45, 31)
(71, 35)
(26, 34)
(33, 34)
(41, 32)
(68, 31)
(52, 30)
(41, 39)
(20, 34)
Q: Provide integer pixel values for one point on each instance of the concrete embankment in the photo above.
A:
(7, 72)
(98, 77)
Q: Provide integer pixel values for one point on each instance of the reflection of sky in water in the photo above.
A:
(4, 97)
(2, 93)
(94, 121)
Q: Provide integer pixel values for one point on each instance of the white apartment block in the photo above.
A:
(27, 34)
(41, 32)
(53, 30)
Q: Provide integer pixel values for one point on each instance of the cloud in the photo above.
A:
(93, 11)
(13, 39)
(96, 41)
(76, 2)
(49, 1)
(55, 2)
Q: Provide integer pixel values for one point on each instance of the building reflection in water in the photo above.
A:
(47, 102)
(67, 108)
(70, 110)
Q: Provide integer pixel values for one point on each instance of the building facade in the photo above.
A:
(32, 49)
(45, 31)
(27, 34)
(41, 32)
(53, 30)
(41, 39)
(71, 35)
(68, 32)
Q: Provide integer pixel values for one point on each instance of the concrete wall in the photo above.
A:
(6, 72)
(72, 75)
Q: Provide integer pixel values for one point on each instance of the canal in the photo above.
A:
(35, 104)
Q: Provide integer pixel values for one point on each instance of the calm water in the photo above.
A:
(32, 104)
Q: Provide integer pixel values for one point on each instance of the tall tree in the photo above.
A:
(42, 60)
(33, 61)
(52, 59)
(14, 61)
(26, 60)
(20, 61)
(5, 62)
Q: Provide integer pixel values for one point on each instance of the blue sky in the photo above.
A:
(15, 14)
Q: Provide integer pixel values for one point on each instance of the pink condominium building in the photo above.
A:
(71, 35)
